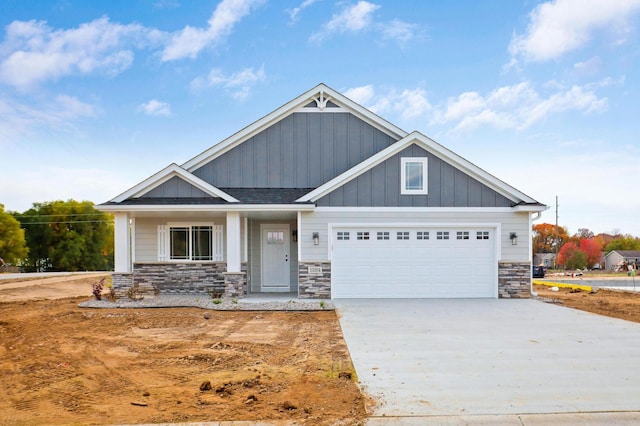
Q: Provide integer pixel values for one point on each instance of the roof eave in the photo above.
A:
(235, 207)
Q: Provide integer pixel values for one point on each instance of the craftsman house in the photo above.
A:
(324, 199)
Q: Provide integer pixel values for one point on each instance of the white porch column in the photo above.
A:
(122, 243)
(233, 242)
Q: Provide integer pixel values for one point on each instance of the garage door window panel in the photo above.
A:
(382, 235)
(422, 235)
(442, 235)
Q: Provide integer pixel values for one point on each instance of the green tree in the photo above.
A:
(623, 243)
(68, 236)
(13, 246)
(577, 260)
(571, 257)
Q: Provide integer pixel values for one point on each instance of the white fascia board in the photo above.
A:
(167, 173)
(206, 208)
(531, 208)
(493, 210)
(282, 112)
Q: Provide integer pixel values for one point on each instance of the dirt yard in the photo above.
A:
(61, 364)
(617, 304)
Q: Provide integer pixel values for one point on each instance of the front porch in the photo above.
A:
(247, 253)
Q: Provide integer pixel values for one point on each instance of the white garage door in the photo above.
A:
(413, 262)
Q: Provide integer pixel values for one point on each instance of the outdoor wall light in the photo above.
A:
(514, 238)
(294, 236)
(316, 238)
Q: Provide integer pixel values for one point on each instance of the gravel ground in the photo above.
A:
(206, 302)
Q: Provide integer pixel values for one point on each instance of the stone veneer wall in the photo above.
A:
(180, 278)
(514, 280)
(314, 285)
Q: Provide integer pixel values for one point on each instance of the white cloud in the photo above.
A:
(56, 115)
(352, 18)
(516, 107)
(560, 26)
(188, 42)
(293, 13)
(32, 52)
(361, 95)
(155, 107)
(237, 84)
(409, 103)
(166, 4)
(402, 32)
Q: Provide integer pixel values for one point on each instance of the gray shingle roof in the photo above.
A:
(243, 195)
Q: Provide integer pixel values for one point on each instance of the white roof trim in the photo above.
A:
(205, 207)
(290, 107)
(432, 146)
(163, 176)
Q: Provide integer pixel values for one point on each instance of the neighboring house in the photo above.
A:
(544, 259)
(324, 199)
(619, 257)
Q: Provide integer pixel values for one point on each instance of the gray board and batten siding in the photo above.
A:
(303, 150)
(446, 187)
(176, 188)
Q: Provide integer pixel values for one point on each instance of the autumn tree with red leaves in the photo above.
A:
(592, 249)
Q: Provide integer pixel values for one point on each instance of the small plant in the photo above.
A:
(134, 293)
(215, 294)
(98, 286)
(234, 301)
(322, 303)
(217, 301)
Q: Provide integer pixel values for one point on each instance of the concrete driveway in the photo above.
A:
(490, 357)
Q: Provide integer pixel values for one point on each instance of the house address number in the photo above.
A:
(315, 270)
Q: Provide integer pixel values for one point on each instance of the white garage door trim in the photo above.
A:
(370, 287)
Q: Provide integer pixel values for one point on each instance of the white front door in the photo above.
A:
(275, 258)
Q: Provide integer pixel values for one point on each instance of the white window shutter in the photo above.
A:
(163, 243)
(218, 243)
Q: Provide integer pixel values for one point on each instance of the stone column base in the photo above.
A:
(234, 284)
(514, 280)
(314, 280)
(122, 284)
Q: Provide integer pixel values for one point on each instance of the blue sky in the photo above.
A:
(96, 96)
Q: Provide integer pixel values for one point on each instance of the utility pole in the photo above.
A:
(555, 260)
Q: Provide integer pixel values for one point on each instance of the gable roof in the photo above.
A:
(324, 96)
(626, 253)
(169, 172)
(521, 200)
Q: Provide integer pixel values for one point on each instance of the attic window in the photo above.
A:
(413, 176)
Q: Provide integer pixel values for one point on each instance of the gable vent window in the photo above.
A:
(343, 235)
(462, 235)
(482, 235)
(363, 235)
(422, 235)
(413, 176)
(383, 235)
(402, 235)
(442, 235)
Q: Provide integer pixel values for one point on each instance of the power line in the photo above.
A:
(68, 221)
(63, 214)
